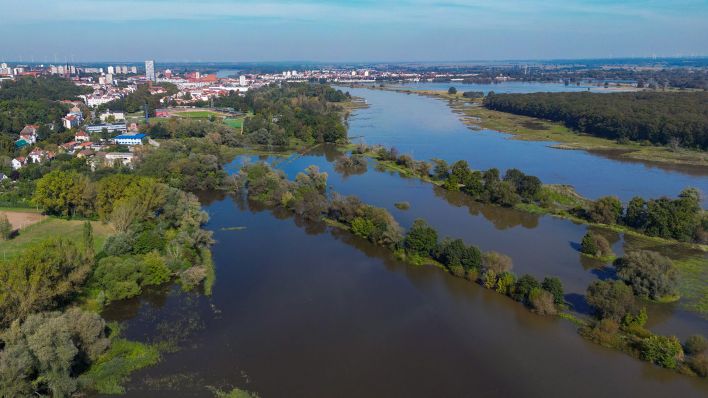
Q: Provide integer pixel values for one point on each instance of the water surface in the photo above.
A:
(427, 128)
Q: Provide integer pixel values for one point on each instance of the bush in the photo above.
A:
(42, 354)
(155, 270)
(606, 210)
(698, 364)
(554, 286)
(496, 262)
(421, 239)
(455, 253)
(611, 299)
(452, 90)
(505, 283)
(523, 288)
(695, 345)
(648, 273)
(595, 245)
(663, 351)
(541, 301)
(41, 278)
(5, 227)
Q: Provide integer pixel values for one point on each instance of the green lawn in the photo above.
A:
(196, 114)
(236, 123)
(52, 227)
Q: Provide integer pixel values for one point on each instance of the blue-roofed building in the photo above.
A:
(130, 139)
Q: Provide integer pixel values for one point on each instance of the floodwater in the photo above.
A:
(427, 128)
(299, 310)
(302, 310)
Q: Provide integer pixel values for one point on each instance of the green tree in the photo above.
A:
(41, 278)
(65, 193)
(554, 286)
(452, 90)
(454, 253)
(611, 299)
(421, 239)
(663, 351)
(648, 273)
(5, 227)
(595, 245)
(523, 288)
(695, 345)
(606, 210)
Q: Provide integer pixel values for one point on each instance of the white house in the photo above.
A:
(18, 162)
(72, 120)
(29, 133)
(130, 139)
(115, 158)
(38, 155)
(81, 136)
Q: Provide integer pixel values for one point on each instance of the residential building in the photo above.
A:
(116, 116)
(81, 136)
(118, 158)
(130, 139)
(72, 120)
(38, 155)
(150, 71)
(29, 133)
(18, 162)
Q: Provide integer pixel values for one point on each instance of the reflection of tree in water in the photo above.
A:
(153, 297)
(502, 218)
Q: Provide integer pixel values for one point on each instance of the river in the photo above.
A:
(301, 310)
(426, 128)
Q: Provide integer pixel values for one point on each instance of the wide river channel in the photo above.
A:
(302, 310)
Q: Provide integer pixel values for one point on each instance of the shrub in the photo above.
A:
(661, 350)
(505, 283)
(155, 270)
(523, 288)
(554, 286)
(698, 364)
(455, 252)
(5, 227)
(611, 299)
(648, 273)
(595, 245)
(452, 90)
(496, 262)
(606, 210)
(421, 239)
(541, 301)
(695, 345)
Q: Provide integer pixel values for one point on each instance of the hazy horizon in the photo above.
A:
(317, 31)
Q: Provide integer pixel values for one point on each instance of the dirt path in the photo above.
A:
(20, 219)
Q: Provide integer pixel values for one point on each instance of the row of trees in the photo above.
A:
(657, 117)
(682, 219)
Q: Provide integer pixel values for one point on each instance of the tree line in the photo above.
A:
(660, 118)
(681, 219)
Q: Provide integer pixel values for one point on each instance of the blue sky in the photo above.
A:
(339, 31)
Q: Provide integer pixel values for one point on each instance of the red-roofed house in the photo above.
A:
(81, 136)
(18, 162)
(29, 133)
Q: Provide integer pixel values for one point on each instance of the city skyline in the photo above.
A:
(351, 31)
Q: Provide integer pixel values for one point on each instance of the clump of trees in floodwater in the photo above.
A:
(619, 321)
(680, 219)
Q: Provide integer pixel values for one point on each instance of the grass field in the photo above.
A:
(195, 114)
(50, 228)
(236, 123)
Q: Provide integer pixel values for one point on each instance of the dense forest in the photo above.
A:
(308, 112)
(34, 101)
(657, 117)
